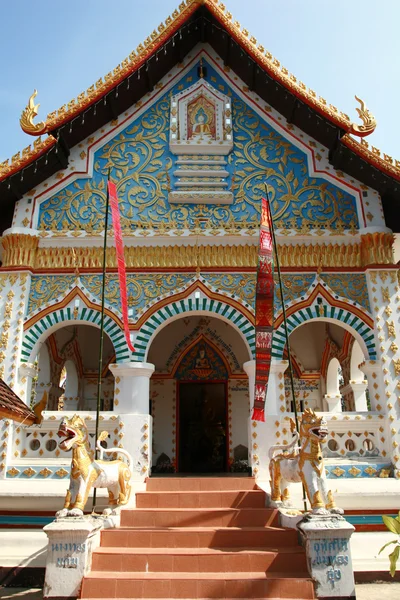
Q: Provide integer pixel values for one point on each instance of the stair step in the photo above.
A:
(197, 484)
(200, 585)
(201, 517)
(195, 560)
(201, 499)
(196, 537)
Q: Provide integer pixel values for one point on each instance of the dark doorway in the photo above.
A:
(202, 428)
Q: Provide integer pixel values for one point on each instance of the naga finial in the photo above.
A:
(27, 116)
(369, 121)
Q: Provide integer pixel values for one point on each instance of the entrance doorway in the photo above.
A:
(202, 418)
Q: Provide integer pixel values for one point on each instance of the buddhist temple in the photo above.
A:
(195, 127)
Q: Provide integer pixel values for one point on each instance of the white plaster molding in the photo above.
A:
(132, 369)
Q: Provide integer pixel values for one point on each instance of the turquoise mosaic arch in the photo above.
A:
(304, 315)
(194, 305)
(85, 315)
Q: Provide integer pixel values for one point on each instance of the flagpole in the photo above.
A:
(103, 294)
(278, 268)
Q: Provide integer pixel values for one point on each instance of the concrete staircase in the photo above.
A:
(199, 538)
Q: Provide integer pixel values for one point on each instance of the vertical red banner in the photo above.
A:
(264, 311)
(119, 247)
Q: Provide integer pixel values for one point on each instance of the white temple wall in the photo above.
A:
(163, 402)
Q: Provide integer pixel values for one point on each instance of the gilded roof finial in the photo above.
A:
(369, 121)
(27, 116)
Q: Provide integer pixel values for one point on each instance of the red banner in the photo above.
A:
(119, 247)
(264, 311)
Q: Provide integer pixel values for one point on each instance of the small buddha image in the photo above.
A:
(201, 120)
(201, 361)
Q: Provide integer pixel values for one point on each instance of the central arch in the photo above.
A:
(194, 306)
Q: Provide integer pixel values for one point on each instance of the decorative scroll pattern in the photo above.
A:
(349, 285)
(141, 166)
(47, 288)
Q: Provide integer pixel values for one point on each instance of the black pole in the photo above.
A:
(278, 268)
(103, 292)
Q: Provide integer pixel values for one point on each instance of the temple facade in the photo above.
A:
(191, 128)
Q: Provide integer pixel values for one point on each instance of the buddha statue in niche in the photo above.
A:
(201, 120)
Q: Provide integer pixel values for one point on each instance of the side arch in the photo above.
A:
(170, 312)
(348, 320)
(45, 325)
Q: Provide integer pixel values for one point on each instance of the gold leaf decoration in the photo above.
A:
(45, 472)
(61, 473)
(13, 472)
(29, 472)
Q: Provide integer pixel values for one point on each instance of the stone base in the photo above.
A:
(327, 542)
(69, 553)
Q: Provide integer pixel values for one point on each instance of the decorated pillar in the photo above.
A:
(132, 402)
(334, 402)
(360, 399)
(383, 285)
(132, 387)
(372, 369)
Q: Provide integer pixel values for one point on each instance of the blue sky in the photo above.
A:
(336, 47)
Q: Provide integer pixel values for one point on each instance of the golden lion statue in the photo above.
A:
(305, 464)
(87, 472)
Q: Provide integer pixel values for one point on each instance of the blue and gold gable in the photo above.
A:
(215, 179)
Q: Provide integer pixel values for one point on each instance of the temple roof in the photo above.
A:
(12, 407)
(199, 21)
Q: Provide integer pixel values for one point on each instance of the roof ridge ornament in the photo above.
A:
(369, 121)
(28, 114)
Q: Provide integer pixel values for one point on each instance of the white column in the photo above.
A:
(373, 371)
(334, 402)
(276, 388)
(27, 372)
(132, 387)
(360, 399)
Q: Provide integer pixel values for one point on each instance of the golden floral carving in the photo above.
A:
(377, 248)
(338, 472)
(301, 255)
(45, 472)
(396, 363)
(29, 472)
(61, 473)
(19, 250)
(385, 294)
(370, 471)
(13, 472)
(354, 471)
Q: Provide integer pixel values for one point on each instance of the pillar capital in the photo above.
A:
(279, 366)
(28, 370)
(132, 369)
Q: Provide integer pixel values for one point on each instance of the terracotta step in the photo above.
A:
(200, 517)
(202, 499)
(199, 537)
(196, 560)
(196, 484)
(200, 585)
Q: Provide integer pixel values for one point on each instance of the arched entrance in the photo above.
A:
(199, 396)
(325, 357)
(67, 363)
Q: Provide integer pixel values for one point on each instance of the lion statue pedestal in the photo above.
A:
(88, 472)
